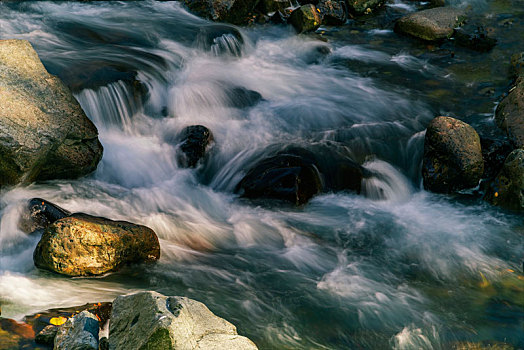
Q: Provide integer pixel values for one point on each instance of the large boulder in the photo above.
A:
(231, 11)
(78, 333)
(44, 134)
(509, 115)
(149, 320)
(507, 190)
(452, 156)
(332, 12)
(81, 244)
(306, 18)
(196, 140)
(433, 24)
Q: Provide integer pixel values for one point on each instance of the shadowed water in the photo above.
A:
(395, 267)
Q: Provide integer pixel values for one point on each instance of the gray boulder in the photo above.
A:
(509, 115)
(149, 320)
(433, 24)
(452, 156)
(78, 333)
(44, 134)
(507, 190)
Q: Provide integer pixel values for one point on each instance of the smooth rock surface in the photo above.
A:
(38, 213)
(44, 134)
(433, 24)
(507, 190)
(452, 156)
(78, 333)
(81, 244)
(509, 114)
(305, 18)
(149, 320)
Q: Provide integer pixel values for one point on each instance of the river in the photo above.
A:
(395, 267)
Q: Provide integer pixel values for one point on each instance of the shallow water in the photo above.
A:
(396, 267)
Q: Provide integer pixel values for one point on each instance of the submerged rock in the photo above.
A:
(361, 7)
(509, 114)
(38, 213)
(305, 18)
(231, 11)
(44, 132)
(494, 152)
(332, 12)
(433, 24)
(477, 39)
(507, 190)
(195, 142)
(81, 244)
(78, 333)
(452, 156)
(149, 320)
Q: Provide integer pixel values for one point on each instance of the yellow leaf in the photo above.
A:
(485, 283)
(58, 321)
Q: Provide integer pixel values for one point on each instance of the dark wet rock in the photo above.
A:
(509, 114)
(433, 24)
(231, 11)
(285, 176)
(240, 97)
(305, 18)
(516, 68)
(437, 3)
(361, 7)
(149, 320)
(38, 213)
(221, 39)
(494, 153)
(477, 39)
(196, 140)
(81, 244)
(269, 6)
(103, 344)
(279, 18)
(44, 132)
(452, 156)
(507, 190)
(332, 12)
(78, 333)
(295, 174)
(47, 335)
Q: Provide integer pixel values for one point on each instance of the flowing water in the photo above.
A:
(396, 267)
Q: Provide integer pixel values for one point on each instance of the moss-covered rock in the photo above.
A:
(306, 18)
(149, 320)
(452, 156)
(509, 115)
(81, 244)
(44, 134)
(433, 24)
(507, 190)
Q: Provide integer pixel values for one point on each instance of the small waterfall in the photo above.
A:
(110, 106)
(227, 44)
(387, 183)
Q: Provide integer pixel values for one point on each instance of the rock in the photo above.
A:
(332, 12)
(452, 156)
(231, 11)
(240, 97)
(477, 40)
(509, 114)
(494, 153)
(284, 176)
(38, 213)
(433, 24)
(103, 344)
(507, 190)
(14, 334)
(485, 345)
(47, 335)
(361, 7)
(516, 68)
(149, 320)
(305, 18)
(196, 140)
(221, 39)
(296, 174)
(81, 244)
(78, 333)
(270, 6)
(44, 132)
